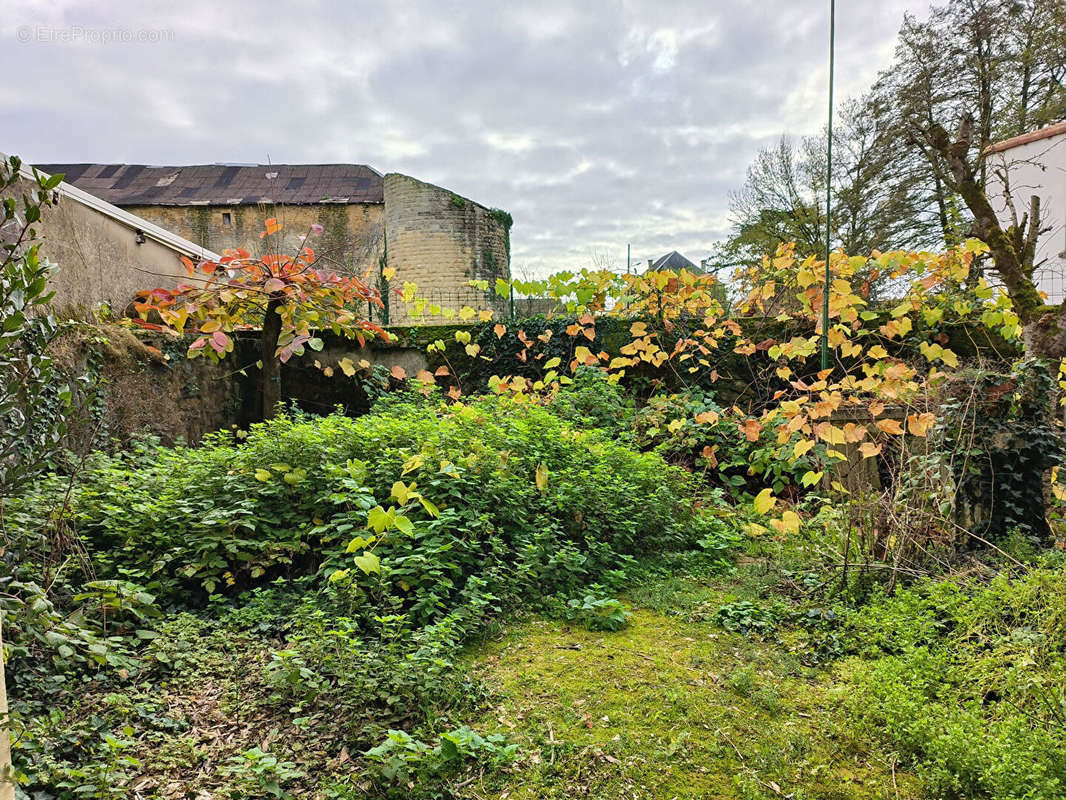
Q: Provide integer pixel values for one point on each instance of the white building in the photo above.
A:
(1035, 164)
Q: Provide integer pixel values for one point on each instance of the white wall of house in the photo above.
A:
(1035, 166)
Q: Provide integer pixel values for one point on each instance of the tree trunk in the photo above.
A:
(271, 369)
(7, 785)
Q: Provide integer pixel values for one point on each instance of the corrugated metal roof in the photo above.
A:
(225, 184)
(151, 230)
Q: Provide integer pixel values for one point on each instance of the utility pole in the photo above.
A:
(828, 191)
(628, 262)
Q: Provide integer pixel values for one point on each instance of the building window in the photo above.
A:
(227, 219)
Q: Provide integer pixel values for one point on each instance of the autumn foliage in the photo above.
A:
(289, 298)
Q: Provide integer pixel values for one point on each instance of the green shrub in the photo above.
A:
(592, 401)
(265, 538)
(667, 425)
(746, 617)
(967, 681)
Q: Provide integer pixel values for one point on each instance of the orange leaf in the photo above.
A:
(750, 428)
(890, 426)
(869, 449)
(499, 330)
(398, 372)
(919, 424)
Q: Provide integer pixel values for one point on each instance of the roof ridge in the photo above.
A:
(1027, 138)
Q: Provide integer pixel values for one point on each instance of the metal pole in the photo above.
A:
(628, 262)
(828, 191)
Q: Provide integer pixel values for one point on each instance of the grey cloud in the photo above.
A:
(594, 123)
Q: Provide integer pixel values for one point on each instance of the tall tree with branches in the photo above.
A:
(976, 72)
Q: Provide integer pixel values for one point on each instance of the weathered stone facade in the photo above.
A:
(424, 234)
(440, 242)
(352, 236)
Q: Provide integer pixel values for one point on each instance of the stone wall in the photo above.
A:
(440, 242)
(144, 384)
(352, 237)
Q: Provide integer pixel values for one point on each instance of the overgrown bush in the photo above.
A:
(262, 533)
(967, 682)
(693, 430)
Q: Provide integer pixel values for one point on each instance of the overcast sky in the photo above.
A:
(595, 123)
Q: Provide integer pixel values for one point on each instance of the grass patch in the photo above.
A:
(670, 706)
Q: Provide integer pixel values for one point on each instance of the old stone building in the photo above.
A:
(430, 236)
(104, 253)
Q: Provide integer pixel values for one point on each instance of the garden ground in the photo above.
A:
(672, 706)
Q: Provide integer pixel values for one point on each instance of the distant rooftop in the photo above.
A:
(1057, 129)
(675, 262)
(225, 184)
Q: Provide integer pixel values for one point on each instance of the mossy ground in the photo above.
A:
(671, 706)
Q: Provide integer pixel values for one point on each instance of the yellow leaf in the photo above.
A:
(585, 356)
(541, 476)
(473, 349)
(347, 366)
(829, 433)
(801, 447)
(790, 522)
(764, 501)
(401, 492)
(810, 477)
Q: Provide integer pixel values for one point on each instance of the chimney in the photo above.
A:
(649, 263)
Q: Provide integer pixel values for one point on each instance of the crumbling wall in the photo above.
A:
(145, 385)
